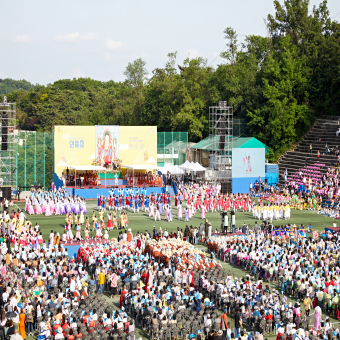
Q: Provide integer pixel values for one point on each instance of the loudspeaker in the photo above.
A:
(5, 192)
(224, 187)
(82, 187)
(90, 188)
(97, 187)
(4, 132)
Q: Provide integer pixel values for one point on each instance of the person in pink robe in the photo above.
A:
(317, 317)
(180, 211)
(114, 279)
(203, 212)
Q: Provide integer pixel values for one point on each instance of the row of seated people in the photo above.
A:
(144, 179)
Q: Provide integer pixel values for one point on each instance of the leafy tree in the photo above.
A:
(8, 85)
(285, 109)
(136, 77)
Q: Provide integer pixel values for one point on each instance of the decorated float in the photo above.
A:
(186, 255)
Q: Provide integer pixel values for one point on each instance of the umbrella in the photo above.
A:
(10, 315)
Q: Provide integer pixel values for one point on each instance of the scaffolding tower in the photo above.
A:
(8, 143)
(221, 135)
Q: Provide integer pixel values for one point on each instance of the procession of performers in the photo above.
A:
(298, 202)
(54, 203)
(271, 211)
(160, 204)
(75, 222)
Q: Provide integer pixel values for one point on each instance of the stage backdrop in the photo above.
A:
(107, 142)
(138, 145)
(80, 145)
(73, 145)
(248, 164)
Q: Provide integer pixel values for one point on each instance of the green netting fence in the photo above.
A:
(171, 148)
(34, 161)
(240, 127)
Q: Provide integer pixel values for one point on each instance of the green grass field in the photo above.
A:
(141, 222)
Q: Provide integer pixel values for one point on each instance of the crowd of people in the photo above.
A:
(80, 179)
(321, 193)
(54, 203)
(165, 285)
(149, 178)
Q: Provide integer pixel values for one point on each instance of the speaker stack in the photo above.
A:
(224, 187)
(4, 132)
(5, 192)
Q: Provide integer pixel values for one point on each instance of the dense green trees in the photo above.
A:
(8, 85)
(279, 84)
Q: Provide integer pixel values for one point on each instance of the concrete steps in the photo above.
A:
(323, 131)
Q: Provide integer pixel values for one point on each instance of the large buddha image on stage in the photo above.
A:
(106, 143)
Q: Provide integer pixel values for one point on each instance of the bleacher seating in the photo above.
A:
(311, 171)
(294, 160)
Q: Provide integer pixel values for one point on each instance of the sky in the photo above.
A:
(44, 41)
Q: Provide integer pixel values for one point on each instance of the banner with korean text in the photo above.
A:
(73, 145)
(138, 145)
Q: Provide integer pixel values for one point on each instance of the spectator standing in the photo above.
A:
(308, 304)
(233, 222)
(102, 281)
(238, 322)
(224, 324)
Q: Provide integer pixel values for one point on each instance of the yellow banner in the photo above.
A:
(138, 145)
(73, 145)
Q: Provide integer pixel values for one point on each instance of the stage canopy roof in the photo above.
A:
(86, 167)
(192, 166)
(173, 169)
(211, 143)
(140, 167)
(198, 167)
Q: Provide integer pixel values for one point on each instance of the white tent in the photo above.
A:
(173, 169)
(192, 166)
(198, 167)
(187, 165)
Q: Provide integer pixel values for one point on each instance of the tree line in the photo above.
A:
(279, 84)
(8, 85)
